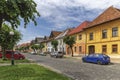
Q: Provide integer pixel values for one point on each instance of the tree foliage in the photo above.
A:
(37, 46)
(55, 44)
(7, 41)
(41, 46)
(12, 11)
(70, 41)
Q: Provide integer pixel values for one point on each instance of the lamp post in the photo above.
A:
(12, 57)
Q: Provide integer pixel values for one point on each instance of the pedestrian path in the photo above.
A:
(4, 64)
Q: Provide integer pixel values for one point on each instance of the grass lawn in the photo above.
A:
(16, 61)
(29, 72)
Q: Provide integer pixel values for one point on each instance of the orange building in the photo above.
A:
(78, 33)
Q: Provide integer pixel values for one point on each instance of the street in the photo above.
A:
(77, 69)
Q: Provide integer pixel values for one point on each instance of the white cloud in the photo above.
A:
(66, 13)
(57, 11)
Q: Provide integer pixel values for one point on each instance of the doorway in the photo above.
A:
(91, 49)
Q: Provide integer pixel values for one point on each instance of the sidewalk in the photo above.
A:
(115, 58)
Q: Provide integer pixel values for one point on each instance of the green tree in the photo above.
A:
(70, 41)
(6, 41)
(12, 11)
(41, 46)
(55, 44)
(34, 47)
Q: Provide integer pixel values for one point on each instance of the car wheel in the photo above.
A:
(83, 60)
(99, 62)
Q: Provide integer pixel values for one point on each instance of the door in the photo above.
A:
(91, 49)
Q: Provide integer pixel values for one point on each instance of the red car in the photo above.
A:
(17, 55)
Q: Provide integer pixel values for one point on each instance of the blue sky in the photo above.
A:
(61, 14)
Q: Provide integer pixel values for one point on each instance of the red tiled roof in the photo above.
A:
(24, 44)
(79, 28)
(109, 14)
(54, 34)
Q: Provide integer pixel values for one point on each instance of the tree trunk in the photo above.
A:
(55, 48)
(72, 51)
(40, 50)
(1, 22)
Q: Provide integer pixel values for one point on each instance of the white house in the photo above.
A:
(52, 37)
(59, 38)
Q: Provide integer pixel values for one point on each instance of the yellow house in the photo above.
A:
(103, 33)
(44, 42)
(45, 47)
(79, 34)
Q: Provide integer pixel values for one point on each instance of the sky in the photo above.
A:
(61, 14)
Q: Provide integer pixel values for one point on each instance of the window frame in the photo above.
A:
(114, 46)
(80, 48)
(104, 48)
(104, 33)
(75, 49)
(80, 36)
(91, 36)
(115, 32)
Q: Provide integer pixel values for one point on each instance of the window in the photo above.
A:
(80, 37)
(104, 33)
(115, 32)
(75, 37)
(91, 36)
(80, 48)
(104, 48)
(75, 49)
(114, 48)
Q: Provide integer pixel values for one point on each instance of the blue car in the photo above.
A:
(97, 58)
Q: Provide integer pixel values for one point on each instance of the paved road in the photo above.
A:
(79, 70)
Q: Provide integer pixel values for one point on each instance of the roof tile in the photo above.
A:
(79, 28)
(109, 14)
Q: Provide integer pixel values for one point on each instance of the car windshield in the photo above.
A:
(8, 52)
(59, 52)
(104, 55)
(97, 55)
(16, 52)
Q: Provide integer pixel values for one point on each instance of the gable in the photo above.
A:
(54, 34)
(79, 28)
(109, 14)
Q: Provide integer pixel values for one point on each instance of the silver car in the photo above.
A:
(57, 54)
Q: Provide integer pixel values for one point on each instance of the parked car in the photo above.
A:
(97, 58)
(33, 53)
(57, 54)
(43, 54)
(17, 55)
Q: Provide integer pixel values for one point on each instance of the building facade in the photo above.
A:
(52, 36)
(80, 39)
(61, 45)
(103, 33)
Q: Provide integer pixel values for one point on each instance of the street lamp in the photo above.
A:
(12, 57)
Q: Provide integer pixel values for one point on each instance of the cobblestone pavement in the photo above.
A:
(77, 69)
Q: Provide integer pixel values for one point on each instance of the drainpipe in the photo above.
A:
(85, 43)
